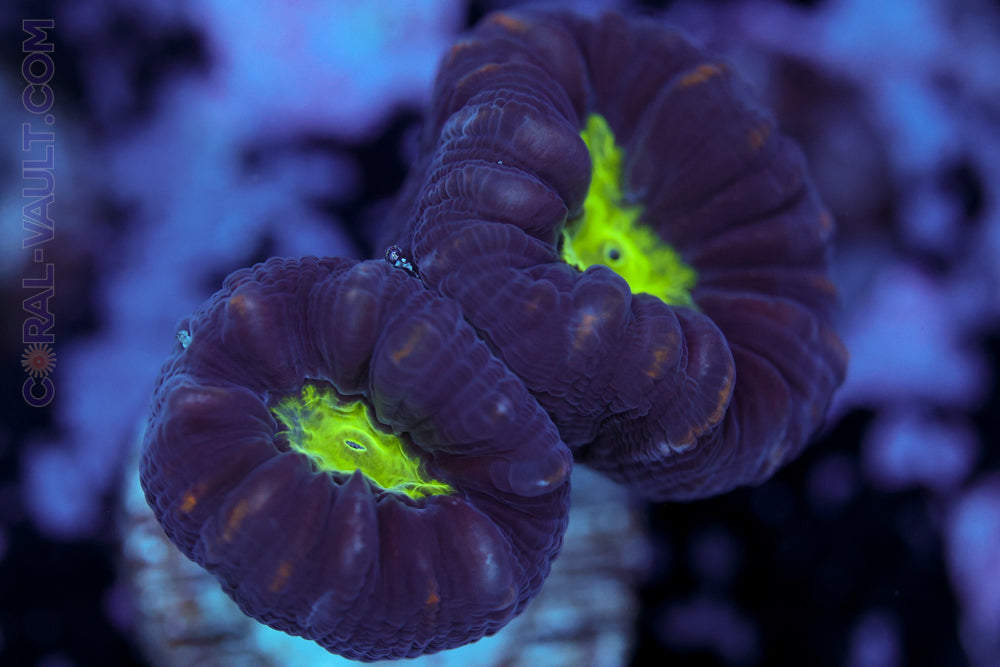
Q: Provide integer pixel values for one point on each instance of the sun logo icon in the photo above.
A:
(38, 360)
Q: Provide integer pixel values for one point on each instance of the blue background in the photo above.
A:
(195, 138)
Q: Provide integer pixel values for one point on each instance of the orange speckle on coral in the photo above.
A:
(757, 136)
(539, 302)
(558, 475)
(188, 502)
(701, 74)
(235, 520)
(725, 391)
(509, 22)
(281, 576)
(409, 346)
(660, 355)
(484, 69)
(831, 339)
(454, 52)
(584, 331)
(826, 222)
(238, 302)
(432, 599)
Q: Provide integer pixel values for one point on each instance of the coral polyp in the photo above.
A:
(343, 436)
(610, 232)
(627, 228)
(594, 259)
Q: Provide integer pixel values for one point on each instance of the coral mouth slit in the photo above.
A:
(342, 436)
(610, 231)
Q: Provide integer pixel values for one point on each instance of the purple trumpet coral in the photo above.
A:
(606, 252)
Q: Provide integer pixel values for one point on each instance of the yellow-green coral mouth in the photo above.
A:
(343, 437)
(610, 233)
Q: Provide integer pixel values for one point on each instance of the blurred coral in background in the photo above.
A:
(192, 139)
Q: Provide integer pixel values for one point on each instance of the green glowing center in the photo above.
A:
(343, 437)
(609, 231)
